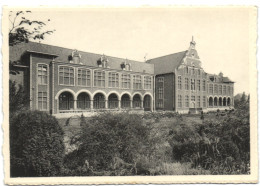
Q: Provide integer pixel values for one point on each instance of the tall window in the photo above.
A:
(198, 72)
(66, 76)
(215, 89)
(161, 79)
(187, 101)
(42, 100)
(192, 84)
(186, 84)
(204, 101)
(179, 83)
(228, 90)
(99, 78)
(160, 103)
(160, 93)
(42, 74)
(224, 89)
(147, 82)
(126, 81)
(232, 90)
(179, 101)
(211, 89)
(198, 85)
(137, 82)
(192, 98)
(220, 89)
(187, 70)
(204, 85)
(84, 77)
(198, 101)
(193, 71)
(113, 79)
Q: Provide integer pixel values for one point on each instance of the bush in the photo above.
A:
(36, 145)
(108, 138)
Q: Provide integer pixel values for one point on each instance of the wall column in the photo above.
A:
(142, 104)
(106, 104)
(131, 103)
(119, 104)
(91, 104)
(75, 104)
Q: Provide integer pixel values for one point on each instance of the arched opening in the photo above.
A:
(112, 101)
(216, 101)
(125, 101)
(224, 101)
(147, 102)
(66, 101)
(228, 102)
(83, 101)
(220, 101)
(210, 102)
(137, 101)
(99, 101)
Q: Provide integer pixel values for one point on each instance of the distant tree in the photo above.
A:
(243, 98)
(22, 29)
(18, 100)
(36, 145)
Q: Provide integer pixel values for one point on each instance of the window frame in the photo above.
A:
(90, 77)
(59, 70)
(40, 99)
(41, 75)
(116, 79)
(102, 78)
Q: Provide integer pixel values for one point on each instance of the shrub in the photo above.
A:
(108, 136)
(36, 145)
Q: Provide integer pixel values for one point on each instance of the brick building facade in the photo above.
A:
(60, 80)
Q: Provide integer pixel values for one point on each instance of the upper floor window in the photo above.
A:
(161, 79)
(99, 78)
(228, 90)
(179, 101)
(198, 84)
(179, 83)
(148, 82)
(198, 72)
(187, 70)
(42, 74)
(192, 84)
(220, 89)
(198, 101)
(186, 84)
(84, 77)
(137, 82)
(215, 89)
(224, 89)
(204, 101)
(126, 81)
(66, 75)
(113, 79)
(211, 89)
(192, 98)
(187, 101)
(193, 71)
(204, 85)
(232, 90)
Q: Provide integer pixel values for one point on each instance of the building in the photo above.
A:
(182, 85)
(60, 80)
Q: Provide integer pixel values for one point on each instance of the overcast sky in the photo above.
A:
(222, 35)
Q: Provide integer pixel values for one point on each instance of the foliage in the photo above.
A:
(18, 100)
(109, 142)
(36, 145)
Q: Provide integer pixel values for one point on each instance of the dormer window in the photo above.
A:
(75, 57)
(103, 62)
(126, 66)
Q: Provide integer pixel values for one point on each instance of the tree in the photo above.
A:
(23, 29)
(18, 100)
(36, 145)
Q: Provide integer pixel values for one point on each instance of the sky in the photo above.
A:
(221, 34)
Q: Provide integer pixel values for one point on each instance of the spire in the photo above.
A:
(192, 43)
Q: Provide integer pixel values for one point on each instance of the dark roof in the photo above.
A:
(168, 63)
(220, 79)
(87, 58)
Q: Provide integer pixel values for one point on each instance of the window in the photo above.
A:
(126, 81)
(193, 71)
(228, 90)
(187, 101)
(160, 93)
(42, 74)
(179, 101)
(192, 84)
(215, 89)
(42, 100)
(204, 101)
(224, 89)
(84, 77)
(187, 70)
(186, 84)
(198, 85)
(160, 103)
(198, 72)
(137, 82)
(147, 82)
(192, 98)
(211, 89)
(204, 85)
(220, 89)
(231, 90)
(161, 79)
(113, 80)
(99, 78)
(179, 83)
(198, 101)
(66, 76)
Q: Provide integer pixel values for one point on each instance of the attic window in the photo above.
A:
(103, 62)
(75, 55)
(126, 66)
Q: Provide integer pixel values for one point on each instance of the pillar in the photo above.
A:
(119, 104)
(91, 104)
(142, 104)
(106, 104)
(75, 105)
(131, 103)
